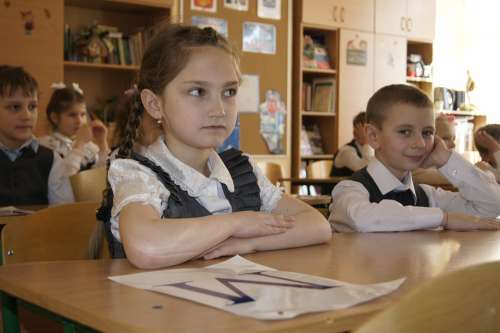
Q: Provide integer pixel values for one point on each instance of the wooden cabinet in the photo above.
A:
(355, 78)
(414, 19)
(40, 50)
(351, 14)
(390, 60)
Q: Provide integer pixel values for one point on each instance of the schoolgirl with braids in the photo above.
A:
(178, 199)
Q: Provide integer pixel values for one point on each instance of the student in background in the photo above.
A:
(383, 197)
(31, 174)
(181, 200)
(81, 142)
(356, 154)
(445, 129)
(487, 140)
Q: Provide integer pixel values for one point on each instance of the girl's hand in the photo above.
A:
(83, 136)
(439, 155)
(100, 133)
(230, 247)
(485, 140)
(256, 224)
(466, 222)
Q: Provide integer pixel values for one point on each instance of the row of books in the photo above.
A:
(319, 95)
(105, 44)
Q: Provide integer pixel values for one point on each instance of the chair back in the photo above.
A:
(88, 185)
(272, 171)
(60, 232)
(319, 169)
(466, 300)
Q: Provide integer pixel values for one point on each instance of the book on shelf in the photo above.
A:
(315, 54)
(323, 95)
(306, 96)
(310, 140)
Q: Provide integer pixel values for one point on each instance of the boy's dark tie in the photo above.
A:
(405, 198)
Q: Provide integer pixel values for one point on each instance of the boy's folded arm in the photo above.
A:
(351, 207)
(479, 193)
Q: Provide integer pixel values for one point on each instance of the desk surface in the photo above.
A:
(80, 290)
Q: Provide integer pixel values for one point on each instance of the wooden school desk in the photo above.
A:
(81, 292)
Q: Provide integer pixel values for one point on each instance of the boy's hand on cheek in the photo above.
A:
(439, 155)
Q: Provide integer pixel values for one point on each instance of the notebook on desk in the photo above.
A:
(14, 211)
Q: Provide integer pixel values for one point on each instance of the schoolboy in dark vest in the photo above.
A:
(382, 197)
(31, 174)
(354, 155)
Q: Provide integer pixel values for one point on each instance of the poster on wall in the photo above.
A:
(270, 9)
(247, 98)
(241, 5)
(219, 25)
(204, 5)
(357, 52)
(259, 38)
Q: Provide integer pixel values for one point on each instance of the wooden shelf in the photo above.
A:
(318, 114)
(317, 157)
(134, 6)
(319, 71)
(101, 66)
(418, 79)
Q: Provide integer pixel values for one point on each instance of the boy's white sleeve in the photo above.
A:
(347, 157)
(59, 190)
(351, 210)
(479, 193)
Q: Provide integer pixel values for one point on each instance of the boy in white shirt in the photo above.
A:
(487, 141)
(356, 154)
(382, 197)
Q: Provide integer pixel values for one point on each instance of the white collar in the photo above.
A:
(185, 176)
(386, 181)
(63, 138)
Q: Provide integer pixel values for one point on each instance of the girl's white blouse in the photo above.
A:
(133, 182)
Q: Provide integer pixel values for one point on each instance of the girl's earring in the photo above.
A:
(159, 122)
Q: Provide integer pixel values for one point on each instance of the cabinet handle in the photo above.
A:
(334, 13)
(409, 24)
(342, 12)
(402, 23)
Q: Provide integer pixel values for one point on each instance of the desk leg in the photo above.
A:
(9, 314)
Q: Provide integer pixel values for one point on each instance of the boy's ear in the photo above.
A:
(373, 135)
(151, 103)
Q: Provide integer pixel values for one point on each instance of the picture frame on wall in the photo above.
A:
(204, 5)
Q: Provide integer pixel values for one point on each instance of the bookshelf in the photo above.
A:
(103, 79)
(305, 79)
(425, 50)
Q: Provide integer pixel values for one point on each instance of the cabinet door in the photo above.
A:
(355, 78)
(421, 19)
(357, 14)
(390, 60)
(324, 12)
(39, 49)
(390, 17)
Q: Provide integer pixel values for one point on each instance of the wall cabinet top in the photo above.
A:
(350, 14)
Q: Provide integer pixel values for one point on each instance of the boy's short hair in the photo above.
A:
(491, 129)
(360, 118)
(393, 94)
(14, 78)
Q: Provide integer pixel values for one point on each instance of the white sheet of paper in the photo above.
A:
(247, 98)
(248, 289)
